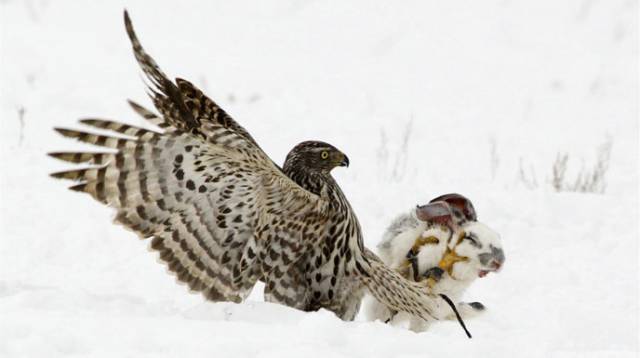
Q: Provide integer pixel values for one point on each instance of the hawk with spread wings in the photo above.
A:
(223, 215)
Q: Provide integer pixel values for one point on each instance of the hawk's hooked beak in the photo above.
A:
(345, 161)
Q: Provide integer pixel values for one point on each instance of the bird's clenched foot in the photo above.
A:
(412, 258)
(433, 276)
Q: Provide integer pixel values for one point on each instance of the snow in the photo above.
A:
(529, 79)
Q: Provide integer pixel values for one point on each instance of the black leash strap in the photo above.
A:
(453, 307)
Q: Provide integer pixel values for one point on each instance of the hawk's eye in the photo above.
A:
(324, 155)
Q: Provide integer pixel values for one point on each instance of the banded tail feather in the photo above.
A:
(396, 292)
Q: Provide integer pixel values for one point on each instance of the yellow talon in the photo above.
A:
(449, 259)
(431, 282)
(429, 240)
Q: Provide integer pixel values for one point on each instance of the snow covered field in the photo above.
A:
(425, 98)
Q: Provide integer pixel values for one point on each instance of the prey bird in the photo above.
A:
(223, 215)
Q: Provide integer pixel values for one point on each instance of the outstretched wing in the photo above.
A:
(181, 104)
(218, 210)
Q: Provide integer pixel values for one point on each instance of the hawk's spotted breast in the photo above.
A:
(222, 215)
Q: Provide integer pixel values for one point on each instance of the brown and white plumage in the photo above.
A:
(222, 215)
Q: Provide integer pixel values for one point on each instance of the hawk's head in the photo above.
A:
(315, 156)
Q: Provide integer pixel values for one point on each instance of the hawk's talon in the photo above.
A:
(412, 257)
(434, 273)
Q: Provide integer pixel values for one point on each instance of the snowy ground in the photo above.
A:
(523, 80)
